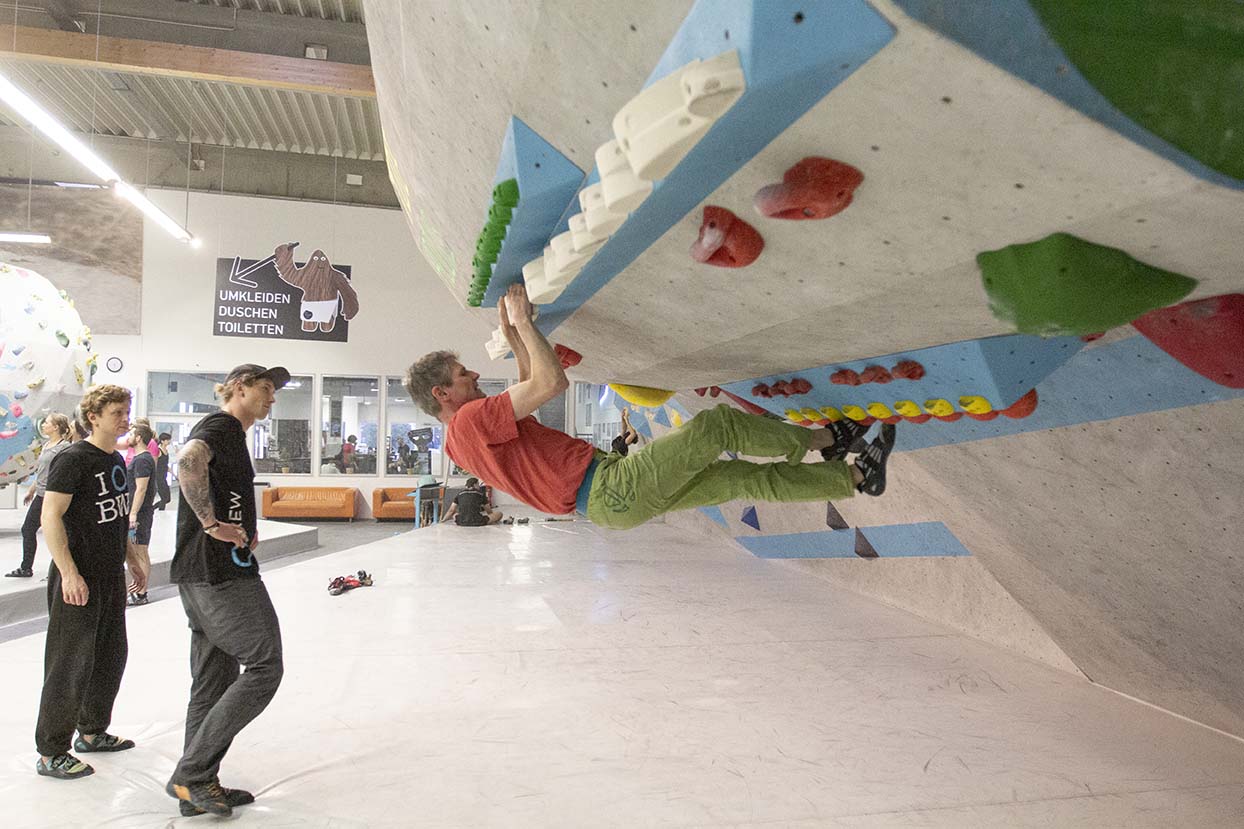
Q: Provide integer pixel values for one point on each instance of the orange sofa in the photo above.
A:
(309, 502)
(392, 503)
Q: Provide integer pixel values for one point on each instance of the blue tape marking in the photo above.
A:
(750, 518)
(788, 66)
(1000, 369)
(715, 514)
(826, 544)
(1124, 378)
(1010, 35)
(928, 538)
(547, 180)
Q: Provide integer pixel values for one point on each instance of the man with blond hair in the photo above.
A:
(85, 522)
(498, 439)
(232, 622)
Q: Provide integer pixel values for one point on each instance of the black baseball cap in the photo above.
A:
(249, 372)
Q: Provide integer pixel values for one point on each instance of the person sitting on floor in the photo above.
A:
(471, 508)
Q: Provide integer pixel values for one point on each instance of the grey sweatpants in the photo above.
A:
(232, 625)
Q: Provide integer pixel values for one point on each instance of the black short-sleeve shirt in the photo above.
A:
(143, 466)
(200, 558)
(471, 503)
(98, 517)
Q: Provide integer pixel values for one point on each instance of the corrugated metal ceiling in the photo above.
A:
(349, 11)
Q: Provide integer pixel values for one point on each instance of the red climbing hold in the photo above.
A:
(713, 391)
(920, 418)
(1023, 407)
(703, 390)
(986, 416)
(726, 240)
(798, 385)
(746, 405)
(908, 370)
(875, 374)
(815, 188)
(781, 387)
(950, 418)
(761, 391)
(892, 420)
(1206, 335)
(845, 377)
(567, 356)
(1088, 338)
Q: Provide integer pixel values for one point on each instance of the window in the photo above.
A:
(349, 424)
(282, 443)
(413, 445)
(596, 418)
(170, 392)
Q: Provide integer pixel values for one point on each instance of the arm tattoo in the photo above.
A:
(192, 465)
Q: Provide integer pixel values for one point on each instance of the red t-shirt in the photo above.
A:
(542, 467)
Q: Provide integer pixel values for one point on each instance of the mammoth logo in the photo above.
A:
(325, 290)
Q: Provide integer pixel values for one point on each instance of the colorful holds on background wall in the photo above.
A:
(908, 370)
(488, 244)
(725, 240)
(1064, 285)
(1023, 407)
(875, 374)
(750, 519)
(845, 377)
(855, 413)
(975, 405)
(832, 414)
(568, 357)
(747, 405)
(1205, 335)
(814, 188)
(782, 388)
(880, 411)
(642, 395)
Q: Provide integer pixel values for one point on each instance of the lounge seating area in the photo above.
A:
(393, 503)
(311, 502)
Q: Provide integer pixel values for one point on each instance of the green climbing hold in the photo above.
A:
(1063, 285)
(500, 213)
(482, 270)
(506, 193)
(62, 338)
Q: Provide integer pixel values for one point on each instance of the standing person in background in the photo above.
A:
(232, 622)
(57, 430)
(161, 473)
(349, 463)
(139, 474)
(130, 450)
(85, 511)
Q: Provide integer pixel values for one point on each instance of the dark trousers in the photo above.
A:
(232, 625)
(83, 662)
(164, 496)
(30, 542)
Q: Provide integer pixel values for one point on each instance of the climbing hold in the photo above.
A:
(845, 377)
(939, 407)
(1023, 407)
(815, 188)
(747, 405)
(831, 414)
(62, 338)
(600, 219)
(568, 357)
(794, 416)
(585, 241)
(713, 391)
(975, 404)
(781, 387)
(675, 418)
(814, 416)
(506, 192)
(880, 411)
(641, 395)
(621, 190)
(855, 413)
(1064, 285)
(761, 390)
(983, 416)
(875, 374)
(920, 418)
(1205, 335)
(908, 370)
(725, 240)
(907, 408)
(703, 390)
(17, 411)
(749, 518)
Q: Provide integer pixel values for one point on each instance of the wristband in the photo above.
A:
(212, 527)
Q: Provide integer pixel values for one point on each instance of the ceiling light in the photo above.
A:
(26, 238)
(78, 185)
(53, 129)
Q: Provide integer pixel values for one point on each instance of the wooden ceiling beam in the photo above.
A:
(195, 62)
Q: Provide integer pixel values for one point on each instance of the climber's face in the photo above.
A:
(463, 387)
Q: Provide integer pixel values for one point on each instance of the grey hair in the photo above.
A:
(430, 370)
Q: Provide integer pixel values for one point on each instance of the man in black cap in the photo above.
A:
(232, 622)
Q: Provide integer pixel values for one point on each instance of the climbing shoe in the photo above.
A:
(102, 742)
(848, 438)
(234, 797)
(63, 767)
(207, 797)
(872, 461)
(364, 578)
(20, 573)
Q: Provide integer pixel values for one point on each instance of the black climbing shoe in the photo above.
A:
(102, 742)
(871, 462)
(848, 437)
(20, 573)
(63, 767)
(207, 797)
(234, 797)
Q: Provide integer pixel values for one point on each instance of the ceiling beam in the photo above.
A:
(196, 62)
(63, 12)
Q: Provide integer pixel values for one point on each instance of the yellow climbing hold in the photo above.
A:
(879, 410)
(939, 407)
(855, 412)
(795, 416)
(974, 404)
(675, 418)
(831, 414)
(811, 414)
(78, 375)
(641, 395)
(907, 408)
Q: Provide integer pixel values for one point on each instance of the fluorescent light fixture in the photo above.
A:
(78, 185)
(27, 238)
(53, 129)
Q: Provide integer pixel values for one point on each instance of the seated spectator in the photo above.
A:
(471, 508)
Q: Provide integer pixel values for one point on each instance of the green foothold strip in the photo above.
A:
(1065, 286)
(506, 193)
(491, 238)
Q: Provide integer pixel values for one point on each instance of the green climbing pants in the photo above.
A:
(681, 470)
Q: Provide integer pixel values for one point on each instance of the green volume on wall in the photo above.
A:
(1176, 67)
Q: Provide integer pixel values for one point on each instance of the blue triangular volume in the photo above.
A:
(750, 519)
(547, 181)
(639, 419)
(715, 514)
(659, 416)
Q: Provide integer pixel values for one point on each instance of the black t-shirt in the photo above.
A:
(471, 503)
(199, 557)
(98, 517)
(162, 464)
(143, 466)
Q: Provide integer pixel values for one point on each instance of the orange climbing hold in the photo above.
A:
(725, 240)
(568, 357)
(815, 188)
(1023, 407)
(875, 374)
(908, 370)
(845, 377)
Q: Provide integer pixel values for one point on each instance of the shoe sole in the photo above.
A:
(83, 747)
(55, 775)
(182, 794)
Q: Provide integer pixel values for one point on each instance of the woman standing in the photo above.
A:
(56, 429)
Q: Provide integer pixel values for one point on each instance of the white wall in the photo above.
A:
(405, 311)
